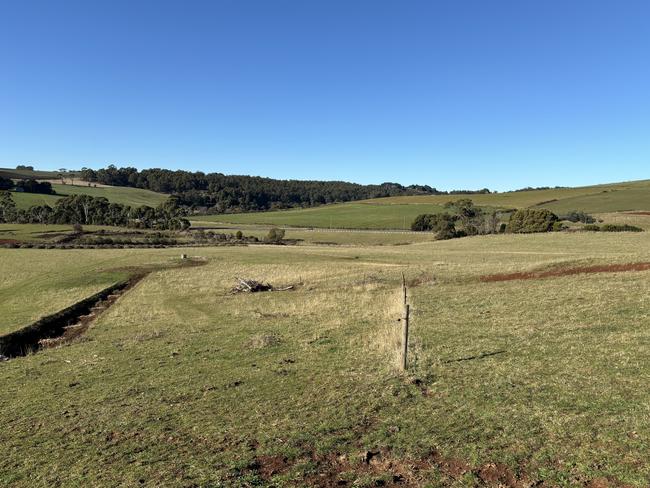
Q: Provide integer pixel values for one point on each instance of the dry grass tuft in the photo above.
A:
(261, 341)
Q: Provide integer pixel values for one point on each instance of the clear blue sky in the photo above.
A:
(454, 94)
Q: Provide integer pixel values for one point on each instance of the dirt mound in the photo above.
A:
(554, 273)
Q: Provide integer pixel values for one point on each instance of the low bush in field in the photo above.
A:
(612, 228)
(620, 228)
(275, 235)
(591, 228)
(578, 216)
(531, 220)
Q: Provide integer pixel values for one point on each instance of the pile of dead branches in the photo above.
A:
(252, 286)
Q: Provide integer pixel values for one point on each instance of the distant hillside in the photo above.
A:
(134, 197)
(399, 212)
(17, 174)
(612, 197)
(219, 193)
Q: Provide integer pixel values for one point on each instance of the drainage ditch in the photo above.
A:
(65, 325)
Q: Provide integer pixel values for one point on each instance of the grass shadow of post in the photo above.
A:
(405, 327)
(405, 337)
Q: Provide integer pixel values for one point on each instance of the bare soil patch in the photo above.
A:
(553, 273)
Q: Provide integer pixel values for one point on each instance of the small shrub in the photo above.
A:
(591, 228)
(77, 228)
(558, 227)
(446, 234)
(239, 235)
(530, 220)
(275, 235)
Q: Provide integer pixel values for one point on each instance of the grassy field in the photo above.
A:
(399, 212)
(638, 200)
(341, 216)
(134, 197)
(182, 384)
(40, 232)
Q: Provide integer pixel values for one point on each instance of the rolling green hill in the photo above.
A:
(398, 212)
(134, 197)
(345, 216)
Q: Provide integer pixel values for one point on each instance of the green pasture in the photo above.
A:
(342, 216)
(134, 197)
(399, 212)
(181, 383)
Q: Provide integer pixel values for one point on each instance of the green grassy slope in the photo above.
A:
(182, 384)
(535, 197)
(346, 215)
(399, 212)
(614, 200)
(134, 197)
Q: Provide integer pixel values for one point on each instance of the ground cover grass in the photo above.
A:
(26, 200)
(183, 384)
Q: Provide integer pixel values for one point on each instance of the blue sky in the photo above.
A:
(454, 94)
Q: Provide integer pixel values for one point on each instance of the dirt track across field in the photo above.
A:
(553, 273)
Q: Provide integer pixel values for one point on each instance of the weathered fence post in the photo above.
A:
(405, 336)
(404, 287)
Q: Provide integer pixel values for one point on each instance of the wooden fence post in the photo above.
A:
(404, 287)
(405, 336)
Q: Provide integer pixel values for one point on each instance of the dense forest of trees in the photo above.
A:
(87, 210)
(215, 192)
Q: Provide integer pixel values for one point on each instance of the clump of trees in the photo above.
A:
(444, 225)
(538, 188)
(88, 210)
(466, 220)
(6, 183)
(32, 186)
(530, 220)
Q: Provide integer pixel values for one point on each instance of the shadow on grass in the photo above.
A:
(478, 356)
